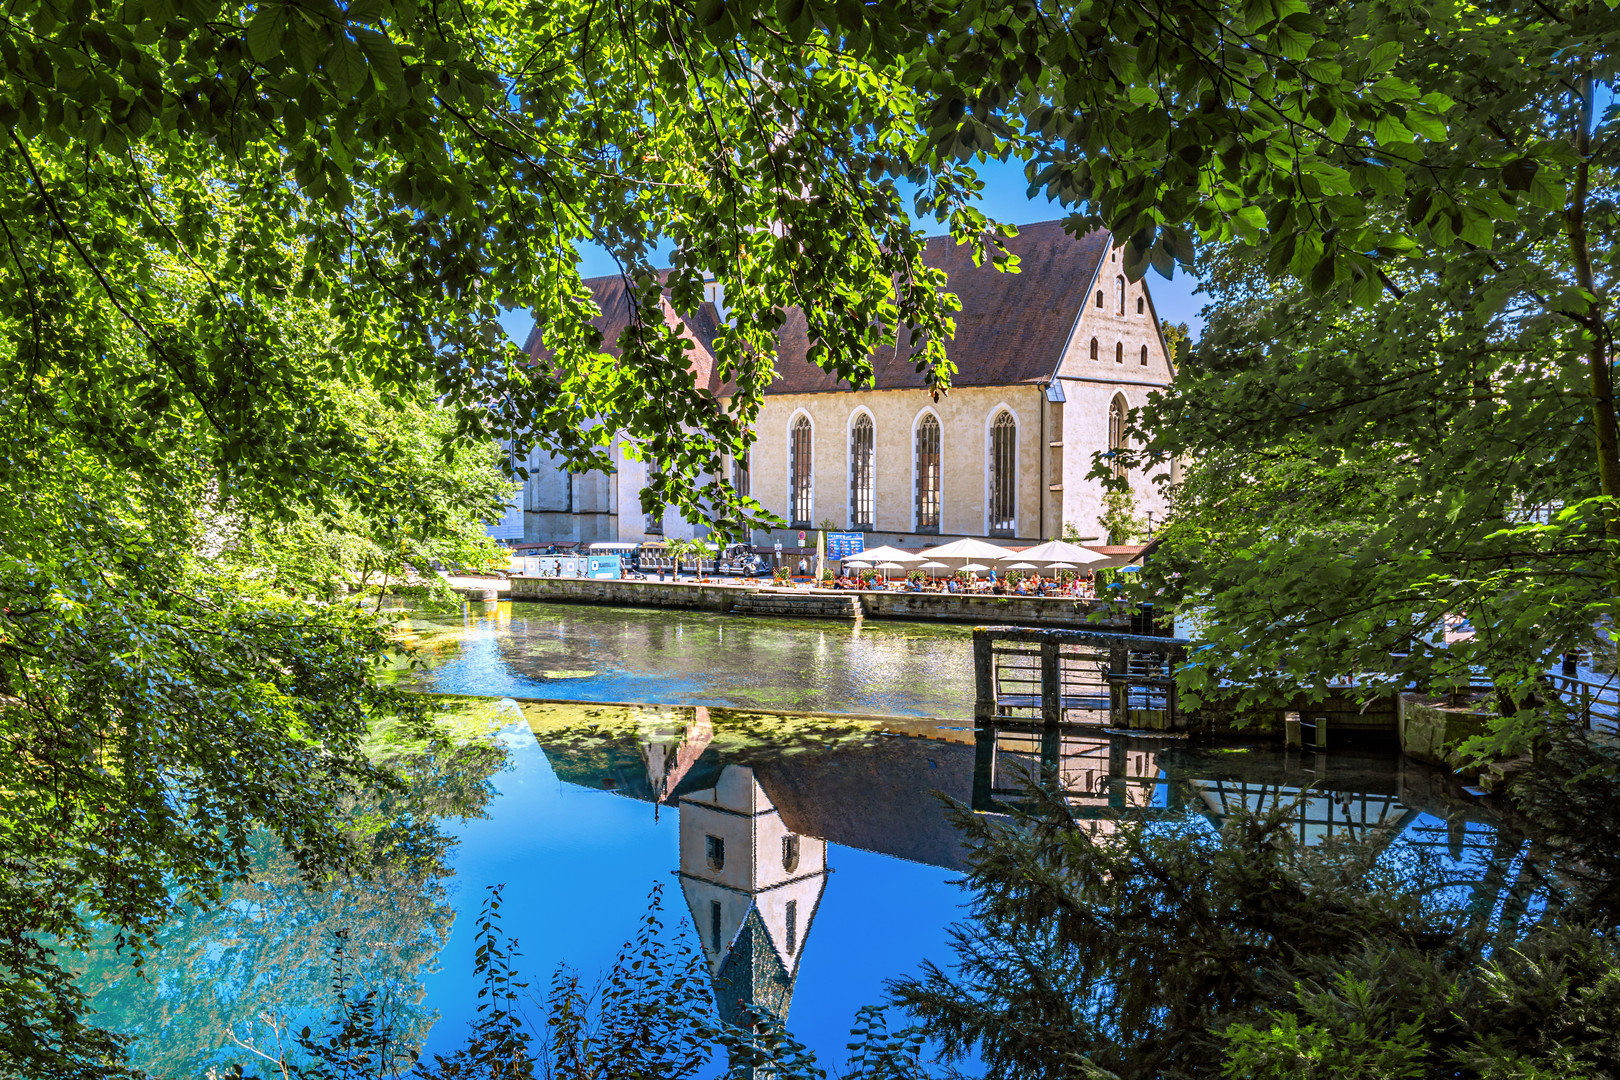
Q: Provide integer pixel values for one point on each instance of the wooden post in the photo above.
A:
(984, 768)
(1172, 718)
(1119, 664)
(1586, 705)
(984, 676)
(1051, 685)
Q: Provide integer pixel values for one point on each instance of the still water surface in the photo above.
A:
(697, 658)
(806, 859)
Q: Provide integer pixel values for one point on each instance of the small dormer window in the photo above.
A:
(715, 851)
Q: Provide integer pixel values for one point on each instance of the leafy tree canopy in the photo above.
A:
(210, 210)
(1361, 478)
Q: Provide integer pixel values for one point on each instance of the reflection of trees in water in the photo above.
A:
(249, 972)
(1169, 912)
(1292, 939)
(1163, 908)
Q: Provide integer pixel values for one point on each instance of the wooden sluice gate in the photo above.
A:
(1095, 678)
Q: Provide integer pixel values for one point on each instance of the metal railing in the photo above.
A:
(1596, 705)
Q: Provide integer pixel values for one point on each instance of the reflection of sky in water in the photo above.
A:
(580, 653)
(575, 836)
(578, 863)
(577, 841)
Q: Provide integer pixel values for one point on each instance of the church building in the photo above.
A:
(1049, 361)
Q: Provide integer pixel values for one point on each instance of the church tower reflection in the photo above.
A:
(752, 886)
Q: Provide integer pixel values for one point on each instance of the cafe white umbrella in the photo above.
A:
(886, 553)
(933, 566)
(1023, 566)
(856, 564)
(976, 550)
(1061, 566)
(887, 566)
(974, 568)
(1062, 551)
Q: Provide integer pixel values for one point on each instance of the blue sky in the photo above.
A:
(1003, 199)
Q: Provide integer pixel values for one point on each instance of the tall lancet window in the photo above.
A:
(739, 475)
(792, 927)
(860, 473)
(652, 523)
(1119, 291)
(1003, 474)
(928, 474)
(1116, 432)
(799, 465)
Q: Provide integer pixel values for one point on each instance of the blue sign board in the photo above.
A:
(603, 566)
(845, 545)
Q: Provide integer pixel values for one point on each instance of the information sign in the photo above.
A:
(604, 566)
(845, 545)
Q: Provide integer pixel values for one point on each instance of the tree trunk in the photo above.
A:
(1600, 374)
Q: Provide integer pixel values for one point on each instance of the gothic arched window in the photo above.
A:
(1099, 298)
(1144, 356)
(651, 523)
(1094, 348)
(799, 472)
(739, 475)
(927, 495)
(860, 472)
(1119, 288)
(1119, 352)
(1116, 432)
(1141, 305)
(1003, 474)
(792, 927)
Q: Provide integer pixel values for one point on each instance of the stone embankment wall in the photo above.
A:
(1432, 731)
(821, 603)
(621, 593)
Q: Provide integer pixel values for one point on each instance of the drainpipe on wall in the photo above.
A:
(1045, 453)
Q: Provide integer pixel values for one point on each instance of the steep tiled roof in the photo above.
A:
(1011, 329)
(613, 297)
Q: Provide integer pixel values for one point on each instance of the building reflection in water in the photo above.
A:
(752, 886)
(761, 800)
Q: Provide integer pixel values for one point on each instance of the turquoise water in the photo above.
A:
(836, 858)
(634, 655)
